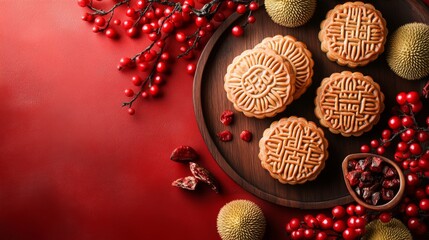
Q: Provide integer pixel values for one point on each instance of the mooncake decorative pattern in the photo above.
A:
(297, 54)
(353, 34)
(259, 83)
(349, 103)
(293, 150)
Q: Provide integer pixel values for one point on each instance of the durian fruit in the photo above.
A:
(392, 230)
(241, 220)
(408, 51)
(290, 13)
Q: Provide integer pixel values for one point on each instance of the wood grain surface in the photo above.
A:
(239, 159)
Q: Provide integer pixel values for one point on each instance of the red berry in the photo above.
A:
(129, 92)
(200, 21)
(385, 217)
(237, 31)
(374, 143)
(415, 149)
(422, 136)
(165, 56)
(360, 210)
(309, 233)
(190, 68)
(423, 164)
(117, 22)
(161, 67)
(230, 4)
(294, 223)
(241, 8)
(394, 122)
(416, 107)
(413, 97)
(150, 14)
(186, 8)
(136, 80)
(251, 19)
(95, 29)
(153, 36)
(180, 37)
(141, 4)
(202, 33)
(246, 136)
(100, 21)
(351, 221)
(413, 223)
(326, 223)
(167, 27)
(160, 43)
(143, 67)
(321, 236)
(350, 209)
(407, 121)
(339, 226)
(412, 179)
(349, 234)
(145, 94)
(360, 222)
(424, 204)
(288, 228)
(127, 24)
(158, 80)
(401, 98)
(154, 90)
(402, 147)
(131, 111)
(380, 150)
(338, 212)
(147, 28)
(125, 62)
(386, 134)
(132, 32)
(111, 33)
(219, 17)
(83, 3)
(320, 217)
(253, 6)
(365, 149)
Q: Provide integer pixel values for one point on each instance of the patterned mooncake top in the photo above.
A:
(259, 83)
(353, 34)
(349, 103)
(293, 150)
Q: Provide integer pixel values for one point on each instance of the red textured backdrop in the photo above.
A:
(73, 163)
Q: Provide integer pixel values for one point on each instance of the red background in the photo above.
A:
(73, 163)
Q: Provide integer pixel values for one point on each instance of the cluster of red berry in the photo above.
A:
(346, 223)
(412, 155)
(160, 20)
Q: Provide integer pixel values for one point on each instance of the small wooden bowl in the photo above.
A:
(387, 206)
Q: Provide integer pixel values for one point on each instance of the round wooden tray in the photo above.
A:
(239, 159)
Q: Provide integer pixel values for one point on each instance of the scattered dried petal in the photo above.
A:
(183, 154)
(188, 183)
(204, 175)
(225, 136)
(227, 117)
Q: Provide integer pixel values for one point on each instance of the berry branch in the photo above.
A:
(159, 20)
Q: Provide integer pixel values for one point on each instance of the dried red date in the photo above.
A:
(227, 117)
(203, 175)
(246, 136)
(184, 153)
(225, 136)
(373, 180)
(188, 183)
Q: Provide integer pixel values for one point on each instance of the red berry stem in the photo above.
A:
(194, 43)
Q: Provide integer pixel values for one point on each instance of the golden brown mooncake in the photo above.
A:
(259, 83)
(293, 150)
(349, 103)
(297, 54)
(353, 34)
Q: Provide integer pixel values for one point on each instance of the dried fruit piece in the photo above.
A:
(353, 177)
(376, 164)
(184, 153)
(227, 117)
(188, 183)
(204, 175)
(225, 136)
(246, 135)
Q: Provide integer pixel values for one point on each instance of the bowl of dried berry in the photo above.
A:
(374, 182)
